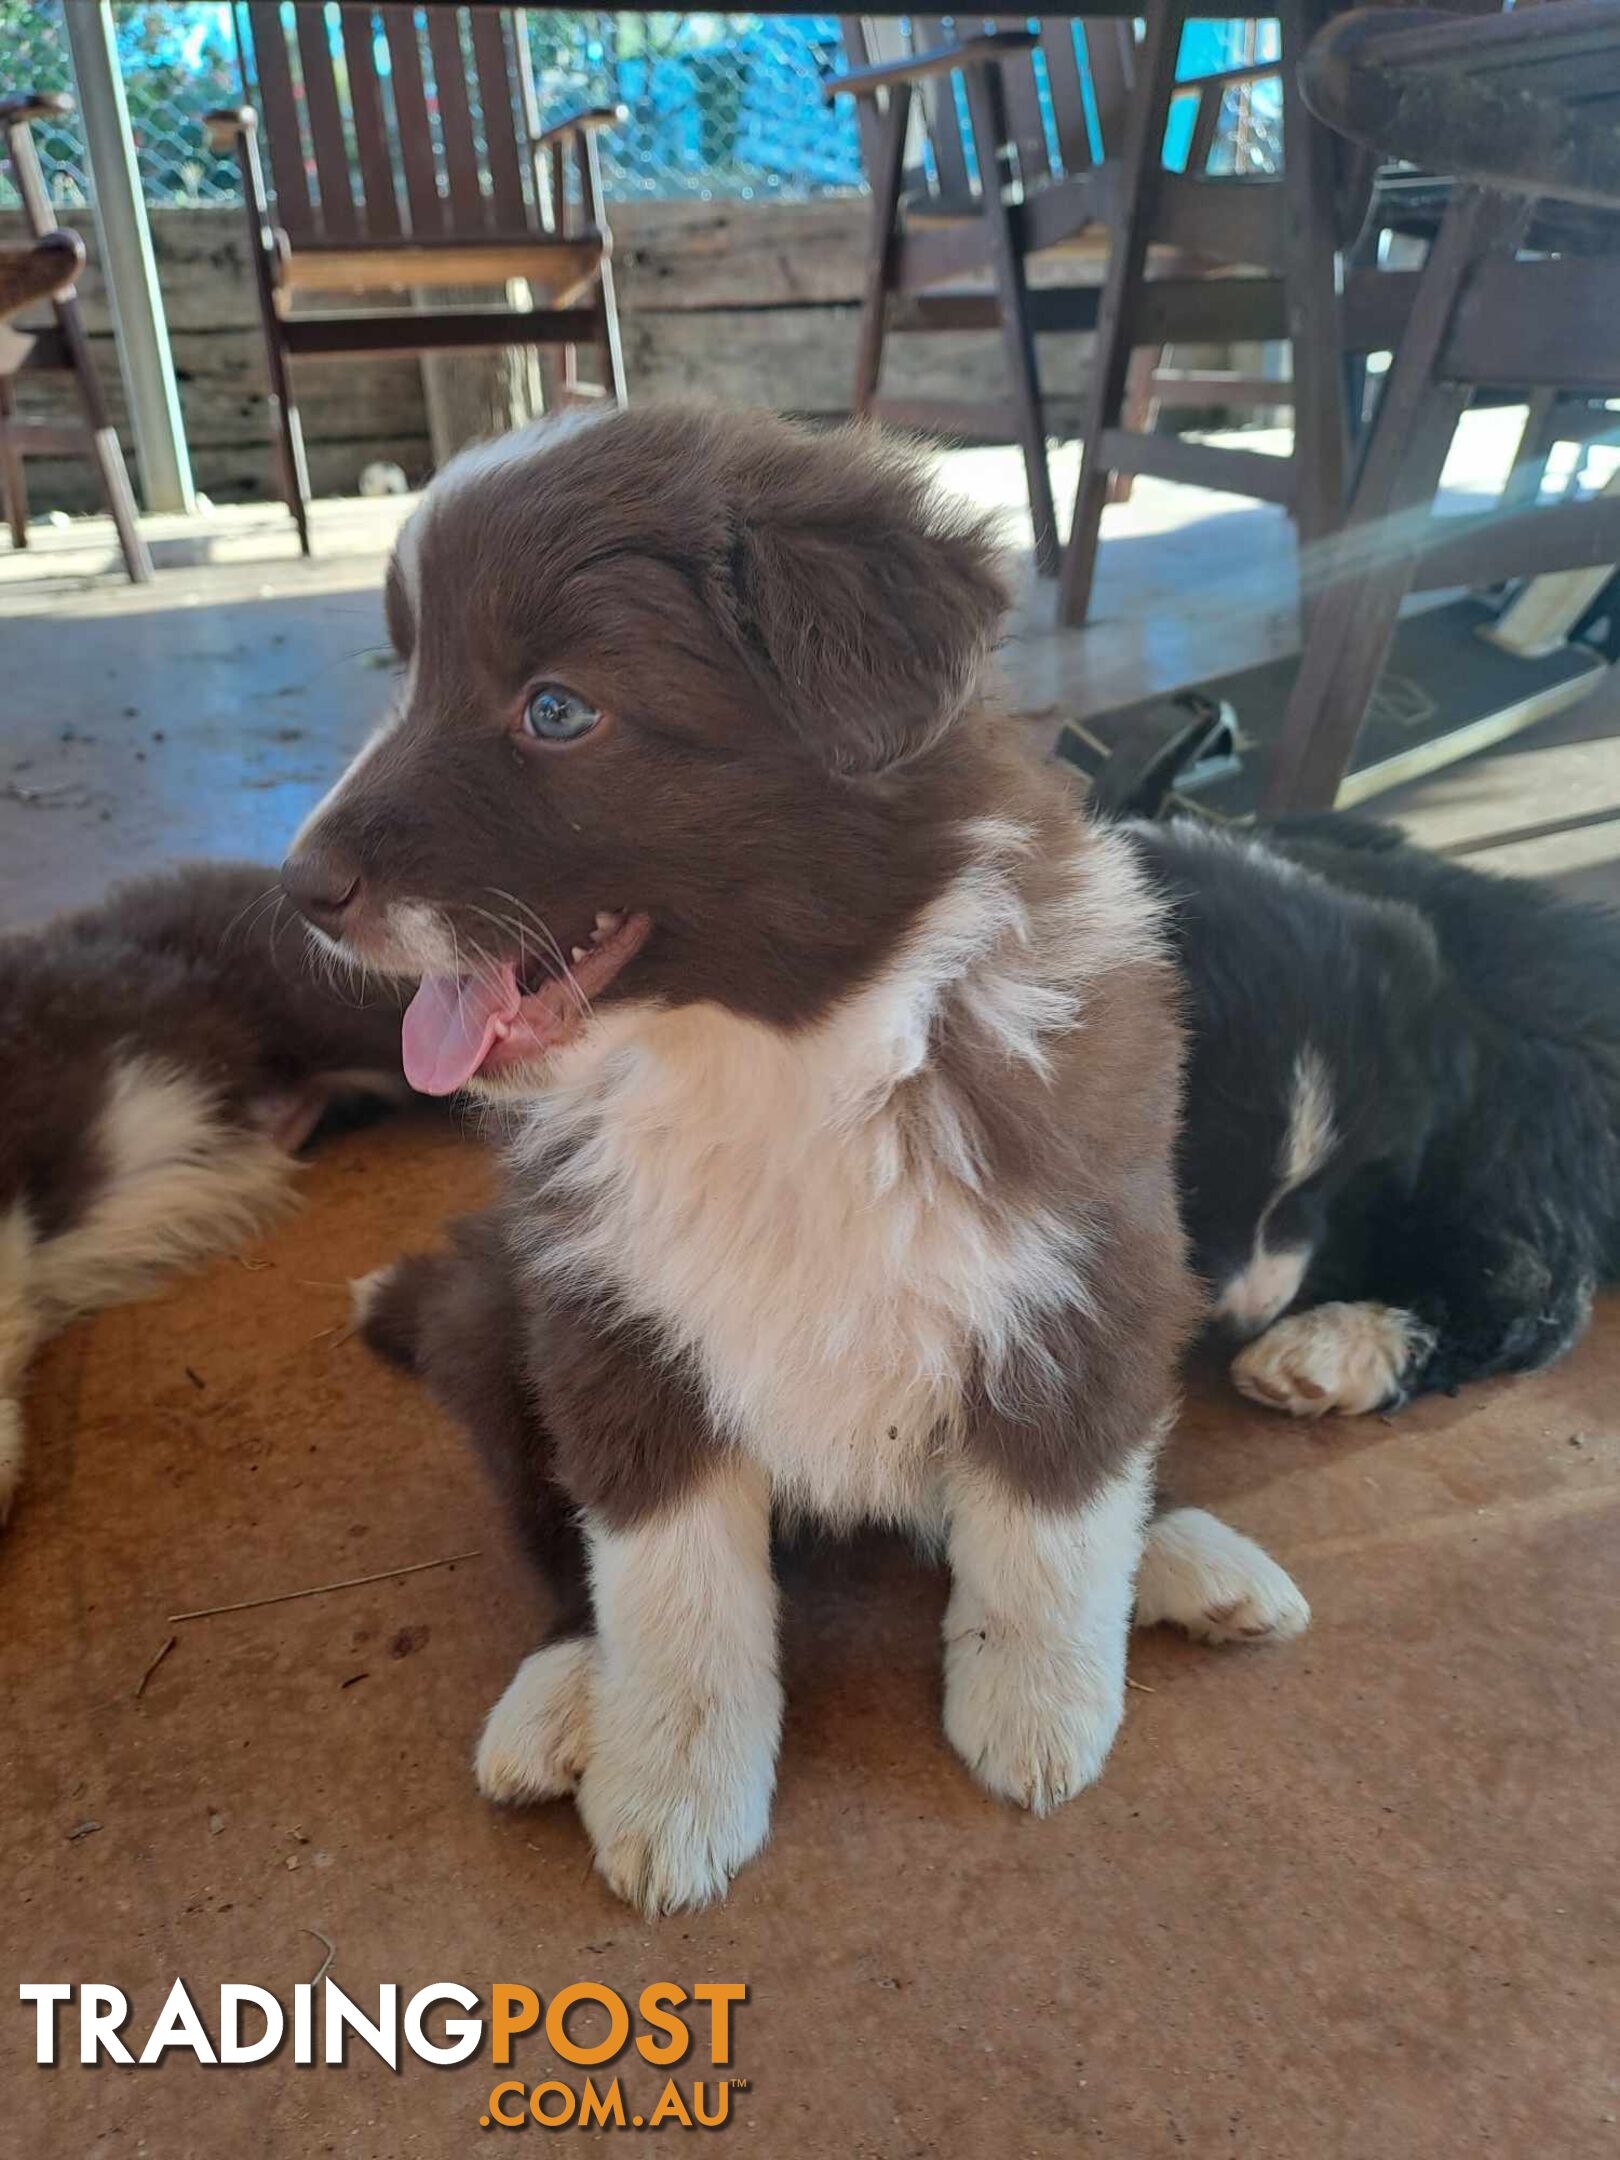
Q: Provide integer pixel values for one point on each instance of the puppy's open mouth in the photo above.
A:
(457, 1026)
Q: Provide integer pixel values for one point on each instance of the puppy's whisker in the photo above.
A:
(551, 948)
(245, 917)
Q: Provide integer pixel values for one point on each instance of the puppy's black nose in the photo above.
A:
(321, 885)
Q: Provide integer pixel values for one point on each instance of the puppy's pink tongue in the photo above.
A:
(452, 1024)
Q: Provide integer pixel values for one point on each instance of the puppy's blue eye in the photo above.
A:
(554, 714)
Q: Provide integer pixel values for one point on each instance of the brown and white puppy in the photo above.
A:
(843, 1062)
(162, 1056)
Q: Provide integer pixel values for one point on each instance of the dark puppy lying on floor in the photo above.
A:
(1400, 1161)
(843, 1144)
(161, 1057)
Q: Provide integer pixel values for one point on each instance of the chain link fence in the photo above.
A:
(718, 104)
(724, 105)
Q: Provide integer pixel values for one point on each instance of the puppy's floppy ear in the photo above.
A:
(870, 601)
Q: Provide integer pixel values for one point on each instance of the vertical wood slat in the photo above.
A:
(338, 219)
(379, 198)
(1024, 117)
(274, 72)
(929, 32)
(887, 39)
(858, 53)
(411, 120)
(1058, 36)
(467, 206)
(1111, 64)
(496, 95)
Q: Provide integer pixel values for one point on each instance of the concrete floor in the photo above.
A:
(1353, 1897)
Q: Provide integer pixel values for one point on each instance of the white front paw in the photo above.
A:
(672, 1824)
(1344, 1359)
(1200, 1574)
(537, 1738)
(1033, 1720)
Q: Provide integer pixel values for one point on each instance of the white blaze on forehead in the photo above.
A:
(532, 440)
(1271, 1281)
(1310, 1136)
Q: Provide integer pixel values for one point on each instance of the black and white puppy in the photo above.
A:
(1400, 1162)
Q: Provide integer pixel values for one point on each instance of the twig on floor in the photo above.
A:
(140, 1688)
(326, 1962)
(349, 1582)
(1141, 1686)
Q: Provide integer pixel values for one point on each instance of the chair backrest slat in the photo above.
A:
(338, 218)
(467, 204)
(1024, 115)
(871, 39)
(495, 99)
(274, 72)
(1111, 63)
(411, 123)
(1065, 79)
(370, 125)
(929, 32)
(1055, 125)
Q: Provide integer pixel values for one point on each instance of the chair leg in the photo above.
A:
(1375, 555)
(13, 479)
(1139, 409)
(589, 166)
(1530, 460)
(1127, 266)
(608, 343)
(887, 174)
(987, 113)
(105, 453)
(290, 459)
(108, 458)
(1321, 429)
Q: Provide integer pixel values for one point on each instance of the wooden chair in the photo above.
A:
(62, 348)
(1285, 236)
(1517, 293)
(937, 229)
(452, 181)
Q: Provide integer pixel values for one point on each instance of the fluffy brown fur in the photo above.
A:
(847, 1180)
(161, 1056)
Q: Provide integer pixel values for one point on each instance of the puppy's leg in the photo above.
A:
(1036, 1627)
(1199, 1574)
(1343, 1359)
(455, 1319)
(676, 1794)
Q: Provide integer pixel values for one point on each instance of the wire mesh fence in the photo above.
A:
(717, 104)
(723, 105)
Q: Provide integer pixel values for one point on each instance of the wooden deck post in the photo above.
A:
(127, 261)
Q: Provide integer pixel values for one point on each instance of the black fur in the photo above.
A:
(1469, 1029)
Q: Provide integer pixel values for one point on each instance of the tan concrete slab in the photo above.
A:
(1350, 1897)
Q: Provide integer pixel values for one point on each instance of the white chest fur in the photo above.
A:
(805, 1214)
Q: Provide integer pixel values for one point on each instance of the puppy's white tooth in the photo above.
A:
(607, 921)
(579, 952)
